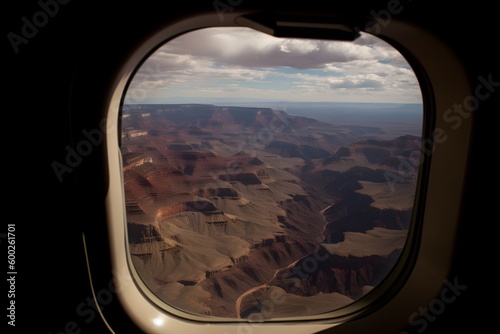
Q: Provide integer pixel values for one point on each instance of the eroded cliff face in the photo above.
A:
(225, 244)
(361, 245)
(366, 222)
(217, 224)
(355, 213)
(347, 275)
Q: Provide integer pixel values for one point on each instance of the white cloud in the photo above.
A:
(226, 62)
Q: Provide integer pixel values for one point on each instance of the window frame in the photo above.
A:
(435, 211)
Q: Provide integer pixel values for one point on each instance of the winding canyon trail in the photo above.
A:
(291, 265)
(262, 286)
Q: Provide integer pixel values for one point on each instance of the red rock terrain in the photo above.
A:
(226, 205)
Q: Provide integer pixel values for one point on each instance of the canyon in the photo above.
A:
(246, 212)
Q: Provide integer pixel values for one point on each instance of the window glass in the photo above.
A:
(268, 177)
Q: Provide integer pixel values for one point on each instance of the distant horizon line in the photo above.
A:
(272, 101)
(247, 100)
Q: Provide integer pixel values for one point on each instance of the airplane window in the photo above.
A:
(269, 178)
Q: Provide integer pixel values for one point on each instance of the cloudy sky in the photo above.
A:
(240, 64)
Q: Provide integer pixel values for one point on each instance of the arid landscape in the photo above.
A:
(244, 212)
